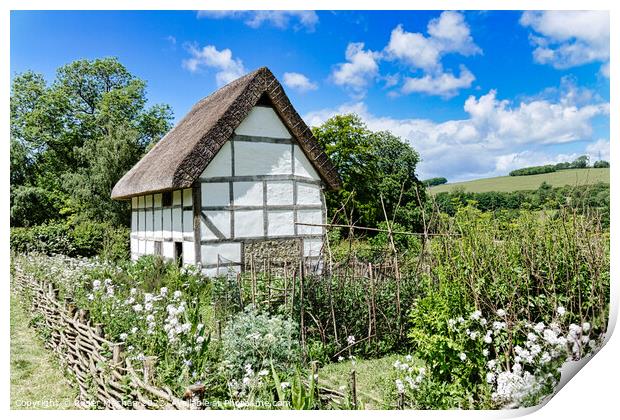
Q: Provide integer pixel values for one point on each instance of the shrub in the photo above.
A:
(435, 181)
(85, 238)
(601, 164)
(34, 206)
(256, 339)
(533, 170)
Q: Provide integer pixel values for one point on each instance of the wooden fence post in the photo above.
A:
(117, 353)
(353, 389)
(218, 324)
(148, 369)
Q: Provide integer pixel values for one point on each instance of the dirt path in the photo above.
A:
(37, 381)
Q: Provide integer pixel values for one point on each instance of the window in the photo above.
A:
(166, 199)
(158, 248)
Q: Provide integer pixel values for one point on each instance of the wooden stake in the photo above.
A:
(353, 389)
(148, 369)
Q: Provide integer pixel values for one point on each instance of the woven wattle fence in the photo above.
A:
(106, 378)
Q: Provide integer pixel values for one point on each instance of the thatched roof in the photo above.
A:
(179, 158)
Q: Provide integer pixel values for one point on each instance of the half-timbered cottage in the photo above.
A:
(237, 182)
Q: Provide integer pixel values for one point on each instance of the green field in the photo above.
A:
(530, 182)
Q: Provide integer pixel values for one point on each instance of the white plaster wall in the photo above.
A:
(310, 216)
(141, 247)
(189, 254)
(188, 223)
(176, 198)
(215, 194)
(149, 248)
(312, 247)
(157, 223)
(167, 223)
(221, 220)
(279, 193)
(221, 165)
(149, 222)
(308, 194)
(263, 122)
(303, 167)
(227, 251)
(134, 222)
(280, 223)
(141, 223)
(167, 250)
(133, 245)
(177, 229)
(254, 158)
(248, 193)
(248, 223)
(187, 197)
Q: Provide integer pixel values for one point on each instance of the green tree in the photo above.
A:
(372, 166)
(581, 162)
(601, 164)
(77, 136)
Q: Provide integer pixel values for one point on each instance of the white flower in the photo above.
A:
(148, 297)
(475, 315)
(545, 358)
(532, 337)
(340, 358)
(462, 356)
(491, 364)
(163, 291)
(148, 306)
(264, 372)
(400, 387)
(539, 327)
(561, 311)
(150, 318)
(485, 352)
(134, 330)
(397, 364)
(488, 339)
(473, 335)
(586, 327)
(123, 336)
(483, 321)
(498, 325)
(408, 358)
(501, 312)
(490, 377)
(516, 368)
(350, 340)
(200, 339)
(91, 296)
(246, 380)
(137, 307)
(460, 319)
(96, 285)
(451, 322)
(284, 385)
(177, 294)
(132, 291)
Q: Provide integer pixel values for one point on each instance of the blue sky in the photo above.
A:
(476, 93)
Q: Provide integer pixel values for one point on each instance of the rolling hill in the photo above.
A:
(529, 182)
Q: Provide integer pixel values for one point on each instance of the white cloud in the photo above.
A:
(361, 67)
(496, 137)
(445, 85)
(449, 33)
(599, 150)
(569, 38)
(229, 68)
(299, 82)
(281, 19)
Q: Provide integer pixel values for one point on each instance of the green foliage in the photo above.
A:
(601, 164)
(258, 339)
(77, 136)
(34, 206)
(372, 165)
(85, 238)
(435, 181)
(580, 162)
(533, 170)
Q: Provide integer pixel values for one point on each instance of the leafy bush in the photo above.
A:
(84, 238)
(435, 181)
(533, 170)
(256, 339)
(32, 206)
(601, 164)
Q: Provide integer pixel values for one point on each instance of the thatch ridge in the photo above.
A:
(179, 158)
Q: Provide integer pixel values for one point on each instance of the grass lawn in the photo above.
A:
(530, 182)
(37, 381)
(372, 377)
